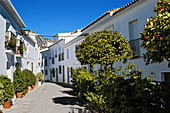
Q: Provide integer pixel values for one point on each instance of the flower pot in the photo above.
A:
(33, 86)
(39, 83)
(27, 90)
(17, 51)
(0, 111)
(19, 94)
(7, 104)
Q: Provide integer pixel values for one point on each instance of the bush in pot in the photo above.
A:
(8, 90)
(40, 78)
(30, 77)
(19, 82)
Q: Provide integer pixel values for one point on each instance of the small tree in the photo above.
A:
(156, 34)
(8, 92)
(104, 48)
(30, 77)
(40, 76)
(19, 81)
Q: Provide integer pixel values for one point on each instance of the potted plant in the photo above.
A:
(40, 78)
(8, 90)
(30, 78)
(19, 83)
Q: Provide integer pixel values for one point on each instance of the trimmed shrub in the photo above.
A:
(40, 76)
(8, 87)
(30, 77)
(19, 81)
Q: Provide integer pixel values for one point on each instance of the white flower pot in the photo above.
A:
(39, 83)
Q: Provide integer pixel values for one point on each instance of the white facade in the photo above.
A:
(130, 21)
(54, 58)
(31, 58)
(11, 26)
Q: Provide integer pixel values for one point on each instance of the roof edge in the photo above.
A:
(12, 11)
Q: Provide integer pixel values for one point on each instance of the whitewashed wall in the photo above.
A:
(140, 11)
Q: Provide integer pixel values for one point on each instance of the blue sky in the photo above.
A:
(49, 17)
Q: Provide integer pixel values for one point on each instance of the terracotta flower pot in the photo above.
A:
(7, 104)
(19, 94)
(27, 90)
(33, 86)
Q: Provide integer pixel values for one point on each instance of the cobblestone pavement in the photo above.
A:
(48, 98)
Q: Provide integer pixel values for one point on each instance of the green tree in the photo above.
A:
(19, 81)
(156, 34)
(104, 48)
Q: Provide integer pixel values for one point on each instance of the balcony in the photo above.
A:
(10, 41)
(135, 46)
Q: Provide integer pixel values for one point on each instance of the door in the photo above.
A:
(56, 74)
(68, 78)
(167, 76)
(63, 75)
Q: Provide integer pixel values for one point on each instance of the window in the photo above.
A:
(50, 55)
(32, 66)
(133, 30)
(62, 56)
(56, 53)
(45, 60)
(8, 64)
(59, 69)
(46, 72)
(53, 60)
(42, 71)
(53, 72)
(71, 70)
(67, 53)
(134, 38)
(42, 62)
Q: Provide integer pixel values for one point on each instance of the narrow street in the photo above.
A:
(48, 98)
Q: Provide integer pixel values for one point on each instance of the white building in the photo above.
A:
(54, 58)
(10, 26)
(129, 20)
(13, 39)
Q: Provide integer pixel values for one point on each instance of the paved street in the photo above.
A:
(48, 98)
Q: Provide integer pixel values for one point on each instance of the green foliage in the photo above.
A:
(30, 77)
(40, 76)
(8, 87)
(1, 93)
(124, 92)
(11, 43)
(83, 81)
(103, 47)
(156, 37)
(19, 81)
